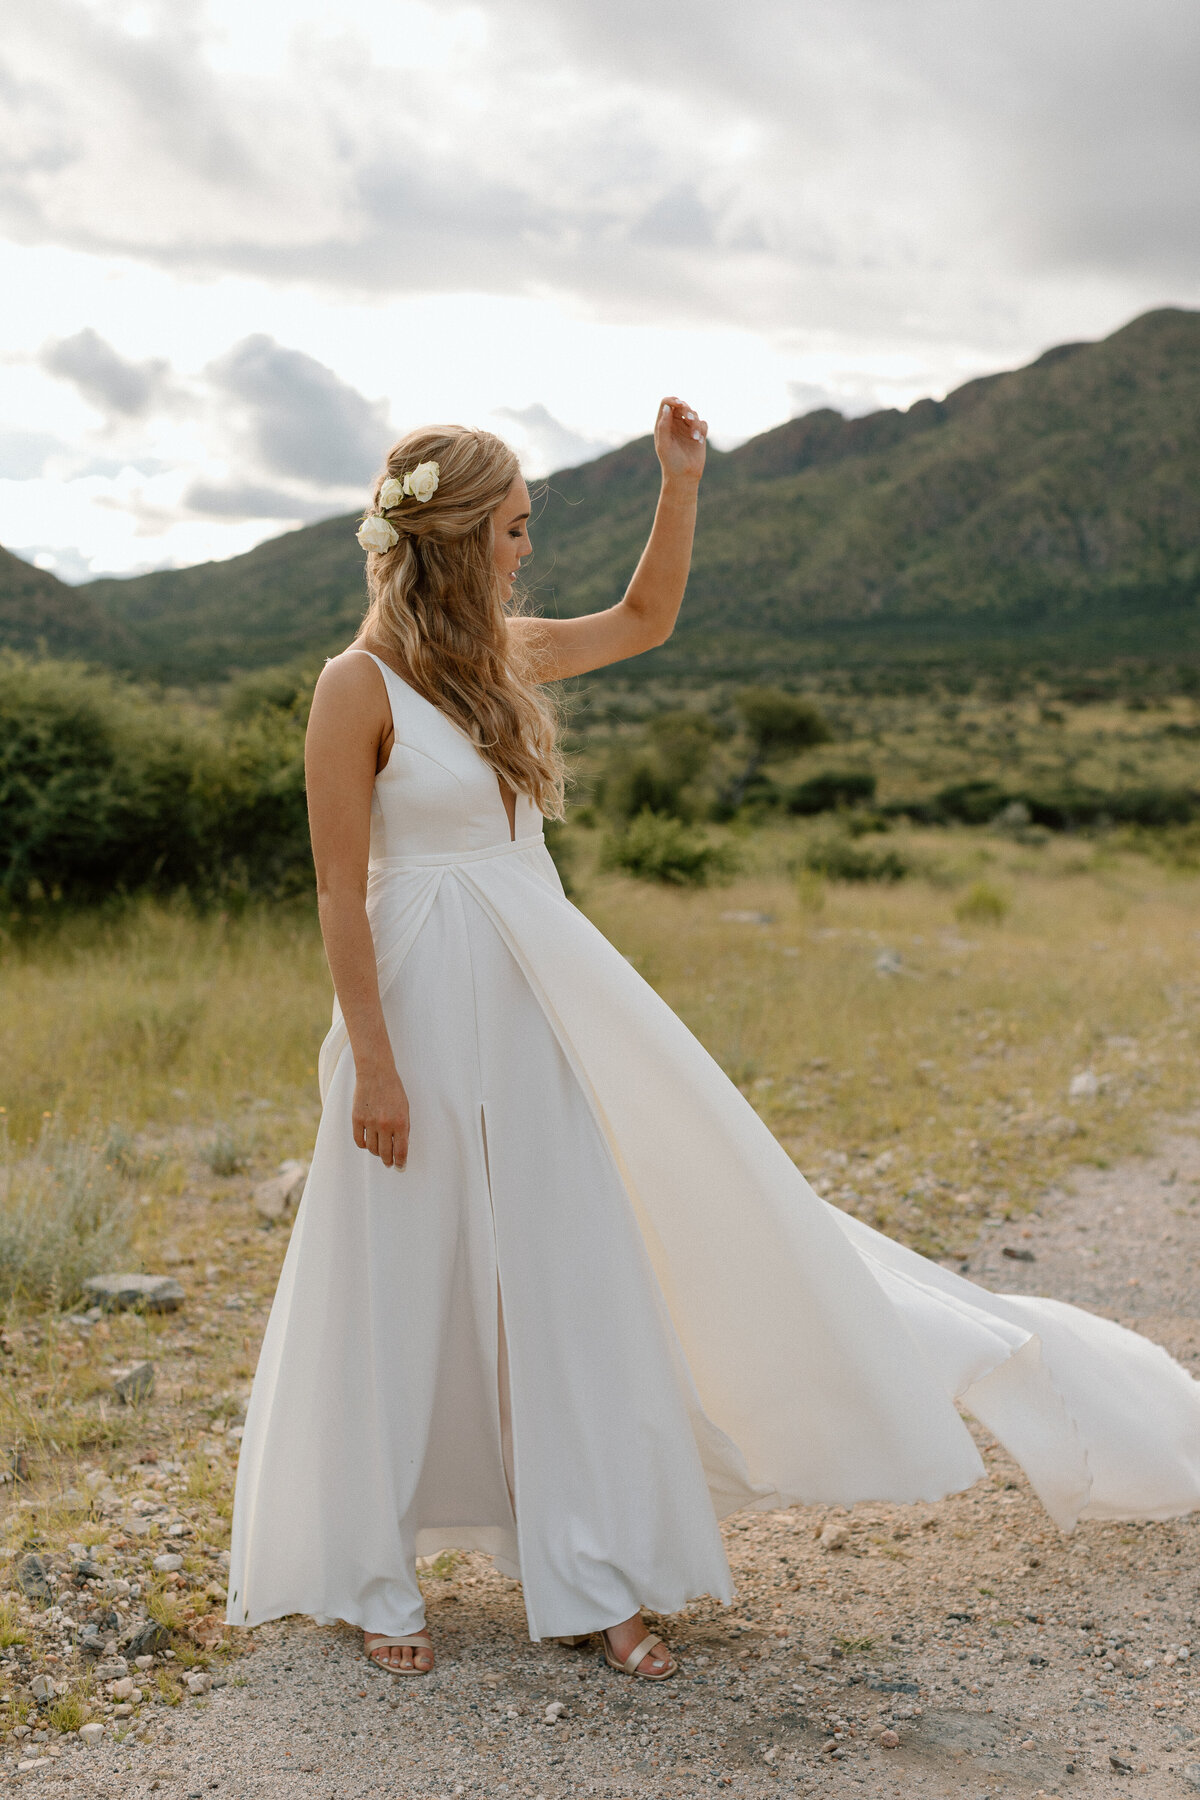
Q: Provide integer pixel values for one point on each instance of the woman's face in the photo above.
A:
(510, 523)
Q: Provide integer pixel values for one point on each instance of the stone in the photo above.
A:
(146, 1293)
(1018, 1255)
(889, 1740)
(42, 1688)
(113, 1668)
(1191, 1775)
(123, 1689)
(1084, 1086)
(198, 1683)
(281, 1194)
(833, 1536)
(143, 1662)
(91, 1734)
(147, 1641)
(87, 1570)
(554, 1712)
(167, 1563)
(31, 1579)
(889, 962)
(136, 1385)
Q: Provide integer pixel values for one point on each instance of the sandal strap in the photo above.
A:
(419, 1639)
(638, 1656)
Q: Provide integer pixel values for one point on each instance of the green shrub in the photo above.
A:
(63, 1215)
(105, 791)
(776, 721)
(663, 776)
(841, 859)
(831, 790)
(983, 904)
(654, 848)
(971, 802)
(94, 786)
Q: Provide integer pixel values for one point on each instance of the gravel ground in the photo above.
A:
(1006, 1659)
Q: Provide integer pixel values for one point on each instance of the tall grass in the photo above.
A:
(912, 1043)
(63, 1213)
(156, 1013)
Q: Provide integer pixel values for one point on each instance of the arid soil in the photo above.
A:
(1004, 1659)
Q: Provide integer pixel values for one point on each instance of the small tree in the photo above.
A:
(775, 723)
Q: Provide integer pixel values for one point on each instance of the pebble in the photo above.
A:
(123, 1689)
(113, 1668)
(198, 1684)
(31, 1579)
(135, 1385)
(91, 1734)
(151, 1638)
(152, 1293)
(167, 1563)
(282, 1193)
(1084, 1086)
(889, 1739)
(41, 1687)
(833, 1536)
(554, 1712)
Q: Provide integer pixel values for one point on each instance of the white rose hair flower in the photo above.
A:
(376, 534)
(422, 482)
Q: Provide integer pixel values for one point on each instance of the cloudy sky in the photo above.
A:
(244, 242)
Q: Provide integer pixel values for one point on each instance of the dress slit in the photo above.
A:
(503, 1387)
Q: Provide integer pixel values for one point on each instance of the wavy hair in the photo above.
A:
(437, 610)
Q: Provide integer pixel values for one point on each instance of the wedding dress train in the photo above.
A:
(601, 1308)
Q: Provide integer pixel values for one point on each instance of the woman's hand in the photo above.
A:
(680, 439)
(381, 1116)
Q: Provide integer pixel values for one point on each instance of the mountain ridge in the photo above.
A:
(1065, 490)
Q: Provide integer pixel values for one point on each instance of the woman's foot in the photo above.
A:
(625, 1638)
(399, 1659)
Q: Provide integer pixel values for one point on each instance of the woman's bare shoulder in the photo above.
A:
(351, 689)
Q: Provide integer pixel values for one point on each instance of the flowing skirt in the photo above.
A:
(601, 1308)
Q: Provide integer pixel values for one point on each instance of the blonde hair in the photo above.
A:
(437, 609)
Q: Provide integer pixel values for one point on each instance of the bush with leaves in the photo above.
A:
(840, 858)
(666, 775)
(832, 790)
(655, 848)
(105, 790)
(775, 722)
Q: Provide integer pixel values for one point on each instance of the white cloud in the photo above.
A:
(528, 211)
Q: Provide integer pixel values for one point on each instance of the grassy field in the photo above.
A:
(912, 1043)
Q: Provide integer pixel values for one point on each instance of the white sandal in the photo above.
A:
(637, 1656)
(420, 1640)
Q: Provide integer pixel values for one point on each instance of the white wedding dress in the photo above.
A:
(601, 1308)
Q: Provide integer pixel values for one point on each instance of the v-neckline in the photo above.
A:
(510, 819)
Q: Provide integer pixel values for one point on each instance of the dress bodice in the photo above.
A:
(436, 796)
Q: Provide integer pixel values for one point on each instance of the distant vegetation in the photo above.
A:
(106, 790)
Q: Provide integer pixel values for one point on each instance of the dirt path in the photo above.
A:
(1007, 1660)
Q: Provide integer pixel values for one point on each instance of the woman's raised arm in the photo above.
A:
(646, 616)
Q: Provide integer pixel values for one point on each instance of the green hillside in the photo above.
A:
(1054, 505)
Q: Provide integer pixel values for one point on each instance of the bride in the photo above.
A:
(554, 1292)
